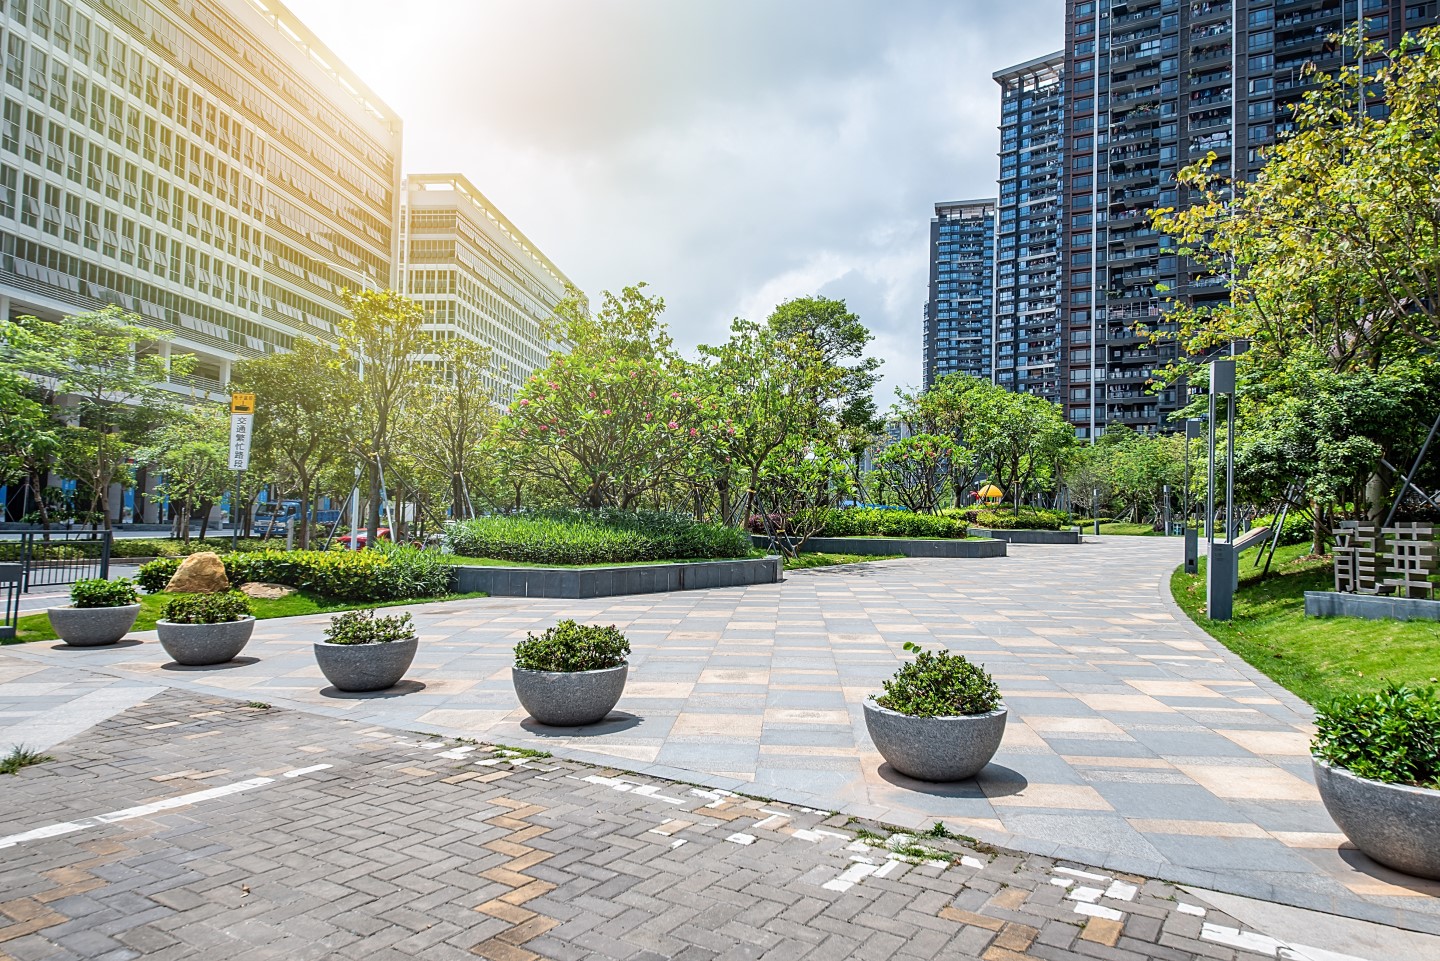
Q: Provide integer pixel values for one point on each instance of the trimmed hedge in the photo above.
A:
(1027, 520)
(599, 537)
(389, 574)
(874, 522)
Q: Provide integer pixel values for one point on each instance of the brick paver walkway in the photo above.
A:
(1135, 742)
(192, 826)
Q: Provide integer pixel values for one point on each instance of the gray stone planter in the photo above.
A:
(569, 699)
(196, 645)
(365, 667)
(935, 748)
(93, 626)
(1395, 824)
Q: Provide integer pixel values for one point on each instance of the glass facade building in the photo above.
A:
(478, 276)
(207, 164)
(1027, 269)
(959, 316)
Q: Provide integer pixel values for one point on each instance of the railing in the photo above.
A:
(54, 558)
(10, 576)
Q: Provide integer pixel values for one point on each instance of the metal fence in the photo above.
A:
(9, 600)
(58, 557)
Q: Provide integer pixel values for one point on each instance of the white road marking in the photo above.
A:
(1264, 944)
(978, 864)
(1194, 909)
(1099, 911)
(815, 834)
(742, 838)
(1082, 874)
(1121, 891)
(889, 866)
(653, 791)
(307, 770)
(852, 875)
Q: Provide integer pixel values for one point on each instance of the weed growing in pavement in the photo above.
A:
(19, 757)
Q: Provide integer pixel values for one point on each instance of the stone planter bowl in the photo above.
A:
(197, 645)
(93, 626)
(1395, 824)
(569, 699)
(365, 667)
(935, 748)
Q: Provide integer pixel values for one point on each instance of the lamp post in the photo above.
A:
(1193, 428)
(1221, 571)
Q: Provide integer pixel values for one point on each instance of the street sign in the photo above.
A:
(242, 418)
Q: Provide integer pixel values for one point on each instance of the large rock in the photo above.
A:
(265, 592)
(202, 573)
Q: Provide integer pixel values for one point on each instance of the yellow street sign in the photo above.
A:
(242, 403)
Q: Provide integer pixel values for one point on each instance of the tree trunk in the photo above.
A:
(372, 512)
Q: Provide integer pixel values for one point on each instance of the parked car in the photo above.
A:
(360, 537)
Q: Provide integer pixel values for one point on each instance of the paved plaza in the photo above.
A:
(1137, 747)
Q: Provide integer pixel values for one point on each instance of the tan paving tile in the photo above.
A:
(464, 719)
(1124, 703)
(658, 689)
(1287, 743)
(728, 726)
(1249, 783)
(1075, 797)
(1309, 839)
(1073, 725)
(1173, 688)
(1142, 763)
(717, 675)
(776, 715)
(1206, 829)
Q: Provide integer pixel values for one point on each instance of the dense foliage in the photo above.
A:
(1028, 519)
(588, 537)
(364, 627)
(939, 685)
(98, 592)
(385, 574)
(207, 608)
(1392, 735)
(152, 576)
(879, 522)
(569, 647)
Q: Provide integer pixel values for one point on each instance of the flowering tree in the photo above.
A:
(919, 469)
(615, 417)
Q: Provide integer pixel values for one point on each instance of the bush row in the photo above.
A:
(388, 573)
(878, 522)
(59, 550)
(598, 537)
(1029, 518)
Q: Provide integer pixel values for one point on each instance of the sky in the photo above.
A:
(732, 154)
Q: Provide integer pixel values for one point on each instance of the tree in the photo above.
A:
(381, 338)
(450, 416)
(949, 409)
(797, 483)
(918, 469)
(95, 362)
(1334, 250)
(29, 437)
(610, 420)
(305, 403)
(191, 453)
(1021, 438)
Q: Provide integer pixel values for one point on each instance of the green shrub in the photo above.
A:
(598, 537)
(1297, 529)
(939, 685)
(207, 608)
(98, 592)
(154, 575)
(410, 572)
(363, 627)
(877, 522)
(571, 647)
(1391, 735)
(1029, 519)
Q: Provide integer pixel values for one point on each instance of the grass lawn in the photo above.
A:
(36, 627)
(821, 559)
(1124, 528)
(1313, 657)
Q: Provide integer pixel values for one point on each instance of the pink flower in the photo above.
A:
(544, 426)
(607, 412)
(553, 385)
(731, 432)
(694, 432)
(592, 395)
(649, 416)
(524, 403)
(634, 374)
(674, 396)
(672, 425)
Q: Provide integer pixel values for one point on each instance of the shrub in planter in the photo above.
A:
(1029, 519)
(365, 652)
(572, 674)
(886, 522)
(593, 537)
(1377, 764)
(100, 612)
(940, 717)
(202, 629)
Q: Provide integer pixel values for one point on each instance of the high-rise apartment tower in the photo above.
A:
(959, 315)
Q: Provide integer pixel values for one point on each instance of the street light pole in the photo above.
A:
(1221, 571)
(1193, 427)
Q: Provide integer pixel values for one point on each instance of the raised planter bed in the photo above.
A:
(958, 547)
(1372, 607)
(571, 582)
(1028, 537)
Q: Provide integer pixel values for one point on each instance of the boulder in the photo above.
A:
(265, 592)
(202, 573)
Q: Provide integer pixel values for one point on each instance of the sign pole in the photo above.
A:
(242, 422)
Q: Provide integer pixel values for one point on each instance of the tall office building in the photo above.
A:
(959, 315)
(207, 164)
(478, 276)
(1027, 268)
(1152, 86)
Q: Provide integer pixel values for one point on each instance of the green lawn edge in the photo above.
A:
(813, 559)
(1314, 658)
(36, 627)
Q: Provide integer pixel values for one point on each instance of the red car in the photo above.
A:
(360, 536)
